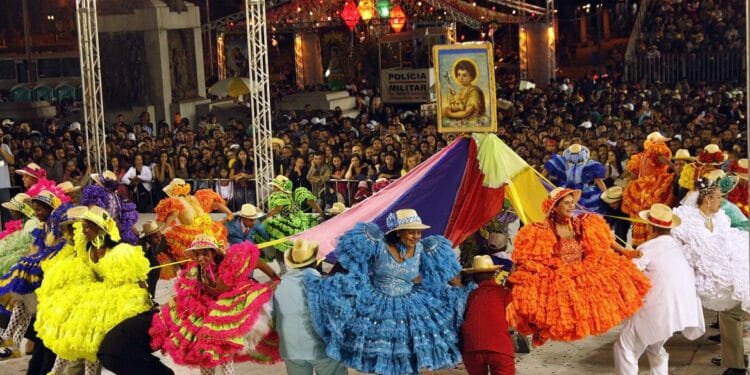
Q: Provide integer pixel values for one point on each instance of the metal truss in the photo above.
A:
(551, 38)
(91, 83)
(260, 98)
(522, 6)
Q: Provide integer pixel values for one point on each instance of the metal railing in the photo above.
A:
(695, 67)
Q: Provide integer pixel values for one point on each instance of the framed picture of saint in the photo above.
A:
(465, 88)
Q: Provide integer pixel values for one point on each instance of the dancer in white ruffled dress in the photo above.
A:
(719, 254)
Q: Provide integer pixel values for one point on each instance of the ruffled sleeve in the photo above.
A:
(596, 234)
(238, 263)
(438, 264)
(302, 195)
(279, 199)
(166, 206)
(634, 164)
(593, 170)
(94, 195)
(357, 246)
(687, 177)
(123, 264)
(555, 166)
(207, 198)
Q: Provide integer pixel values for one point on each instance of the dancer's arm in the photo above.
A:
(221, 207)
(315, 206)
(265, 268)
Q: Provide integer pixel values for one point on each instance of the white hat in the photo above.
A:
(249, 211)
(8, 121)
(303, 252)
(404, 219)
(612, 195)
(150, 227)
(586, 125)
(304, 122)
(315, 120)
(660, 215)
(656, 136)
(234, 146)
(75, 125)
(336, 209)
(482, 263)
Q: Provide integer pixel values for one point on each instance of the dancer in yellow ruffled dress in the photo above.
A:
(187, 216)
(104, 285)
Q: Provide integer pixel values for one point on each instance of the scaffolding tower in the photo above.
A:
(260, 98)
(91, 84)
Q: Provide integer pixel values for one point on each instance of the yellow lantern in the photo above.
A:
(366, 10)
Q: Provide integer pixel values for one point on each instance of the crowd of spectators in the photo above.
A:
(321, 149)
(679, 26)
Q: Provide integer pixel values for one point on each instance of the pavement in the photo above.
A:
(592, 355)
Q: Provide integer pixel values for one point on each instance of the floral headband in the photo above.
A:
(706, 185)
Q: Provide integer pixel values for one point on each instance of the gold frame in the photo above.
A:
(446, 55)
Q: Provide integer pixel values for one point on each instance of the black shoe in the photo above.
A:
(715, 338)
(717, 361)
(735, 371)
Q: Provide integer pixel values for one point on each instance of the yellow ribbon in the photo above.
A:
(260, 246)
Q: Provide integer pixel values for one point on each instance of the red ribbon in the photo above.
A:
(660, 222)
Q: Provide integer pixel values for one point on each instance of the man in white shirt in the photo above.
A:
(671, 305)
(139, 178)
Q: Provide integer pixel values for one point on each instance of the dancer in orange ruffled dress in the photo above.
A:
(569, 283)
(651, 182)
(186, 217)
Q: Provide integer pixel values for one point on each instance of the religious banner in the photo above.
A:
(465, 88)
(400, 85)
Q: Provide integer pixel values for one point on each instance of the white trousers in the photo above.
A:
(628, 348)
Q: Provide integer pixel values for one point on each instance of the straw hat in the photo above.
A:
(712, 154)
(18, 203)
(727, 183)
(336, 209)
(714, 175)
(282, 183)
(404, 219)
(482, 263)
(150, 227)
(555, 195)
(497, 241)
(278, 141)
(32, 170)
(739, 168)
(249, 211)
(575, 148)
(100, 217)
(612, 195)
(73, 214)
(177, 187)
(683, 154)
(46, 197)
(660, 215)
(205, 241)
(100, 178)
(656, 136)
(68, 187)
(303, 252)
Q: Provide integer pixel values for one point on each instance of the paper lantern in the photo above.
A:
(384, 8)
(366, 10)
(397, 19)
(350, 15)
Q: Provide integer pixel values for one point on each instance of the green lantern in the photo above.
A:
(384, 8)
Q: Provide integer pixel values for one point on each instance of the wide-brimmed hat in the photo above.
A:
(278, 141)
(660, 215)
(497, 241)
(683, 154)
(177, 187)
(406, 218)
(612, 195)
(555, 195)
(656, 137)
(205, 241)
(32, 170)
(482, 263)
(67, 187)
(336, 208)
(19, 203)
(48, 198)
(576, 153)
(712, 154)
(99, 179)
(73, 214)
(249, 211)
(282, 183)
(302, 253)
(739, 168)
(101, 218)
(150, 227)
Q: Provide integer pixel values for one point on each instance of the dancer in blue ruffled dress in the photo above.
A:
(394, 312)
(574, 170)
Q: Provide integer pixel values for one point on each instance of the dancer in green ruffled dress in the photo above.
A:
(286, 216)
(16, 238)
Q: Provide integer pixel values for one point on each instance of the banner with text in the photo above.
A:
(407, 85)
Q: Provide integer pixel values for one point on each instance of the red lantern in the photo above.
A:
(350, 15)
(397, 18)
